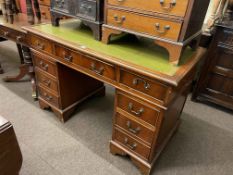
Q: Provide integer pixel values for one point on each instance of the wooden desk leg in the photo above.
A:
(1, 70)
(25, 69)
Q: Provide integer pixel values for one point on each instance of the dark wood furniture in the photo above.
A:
(89, 11)
(172, 24)
(150, 93)
(216, 80)
(15, 33)
(10, 154)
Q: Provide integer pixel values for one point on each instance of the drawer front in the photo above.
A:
(135, 108)
(134, 128)
(41, 44)
(48, 96)
(45, 65)
(226, 36)
(144, 85)
(98, 67)
(45, 12)
(46, 81)
(171, 7)
(61, 5)
(44, 2)
(87, 9)
(153, 26)
(16, 36)
(131, 144)
(224, 56)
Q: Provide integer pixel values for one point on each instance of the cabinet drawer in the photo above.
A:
(177, 8)
(224, 56)
(226, 37)
(46, 81)
(134, 128)
(87, 9)
(45, 65)
(153, 26)
(98, 67)
(48, 96)
(137, 109)
(144, 85)
(62, 5)
(16, 36)
(45, 12)
(44, 2)
(131, 144)
(41, 44)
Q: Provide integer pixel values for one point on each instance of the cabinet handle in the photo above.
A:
(165, 29)
(132, 147)
(134, 131)
(48, 97)
(44, 66)
(19, 38)
(119, 21)
(170, 6)
(67, 57)
(137, 80)
(138, 113)
(120, 0)
(39, 45)
(97, 71)
(47, 82)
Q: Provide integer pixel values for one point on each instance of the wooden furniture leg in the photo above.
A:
(30, 14)
(107, 32)
(25, 69)
(9, 11)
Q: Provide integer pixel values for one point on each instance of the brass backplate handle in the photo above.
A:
(146, 84)
(99, 71)
(44, 66)
(170, 6)
(119, 21)
(137, 113)
(132, 147)
(39, 45)
(134, 131)
(165, 29)
(67, 57)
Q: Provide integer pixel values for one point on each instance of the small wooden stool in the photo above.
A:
(10, 154)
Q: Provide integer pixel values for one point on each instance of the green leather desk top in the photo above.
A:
(128, 48)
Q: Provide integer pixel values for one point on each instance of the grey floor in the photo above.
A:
(202, 146)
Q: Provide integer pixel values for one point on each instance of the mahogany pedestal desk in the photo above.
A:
(14, 33)
(71, 66)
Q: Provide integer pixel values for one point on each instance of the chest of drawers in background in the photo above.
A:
(45, 9)
(90, 12)
(216, 81)
(173, 24)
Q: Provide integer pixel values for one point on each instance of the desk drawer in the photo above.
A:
(48, 96)
(16, 36)
(98, 67)
(44, 2)
(177, 8)
(87, 9)
(45, 12)
(134, 128)
(45, 65)
(154, 26)
(135, 107)
(144, 85)
(131, 144)
(46, 81)
(41, 44)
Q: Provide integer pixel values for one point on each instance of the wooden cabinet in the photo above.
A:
(173, 24)
(216, 80)
(45, 9)
(90, 12)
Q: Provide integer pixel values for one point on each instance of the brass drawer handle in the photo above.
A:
(137, 113)
(60, 3)
(134, 131)
(47, 82)
(19, 38)
(99, 71)
(39, 45)
(47, 97)
(67, 57)
(44, 66)
(132, 147)
(119, 21)
(120, 0)
(85, 8)
(170, 6)
(166, 28)
(137, 80)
